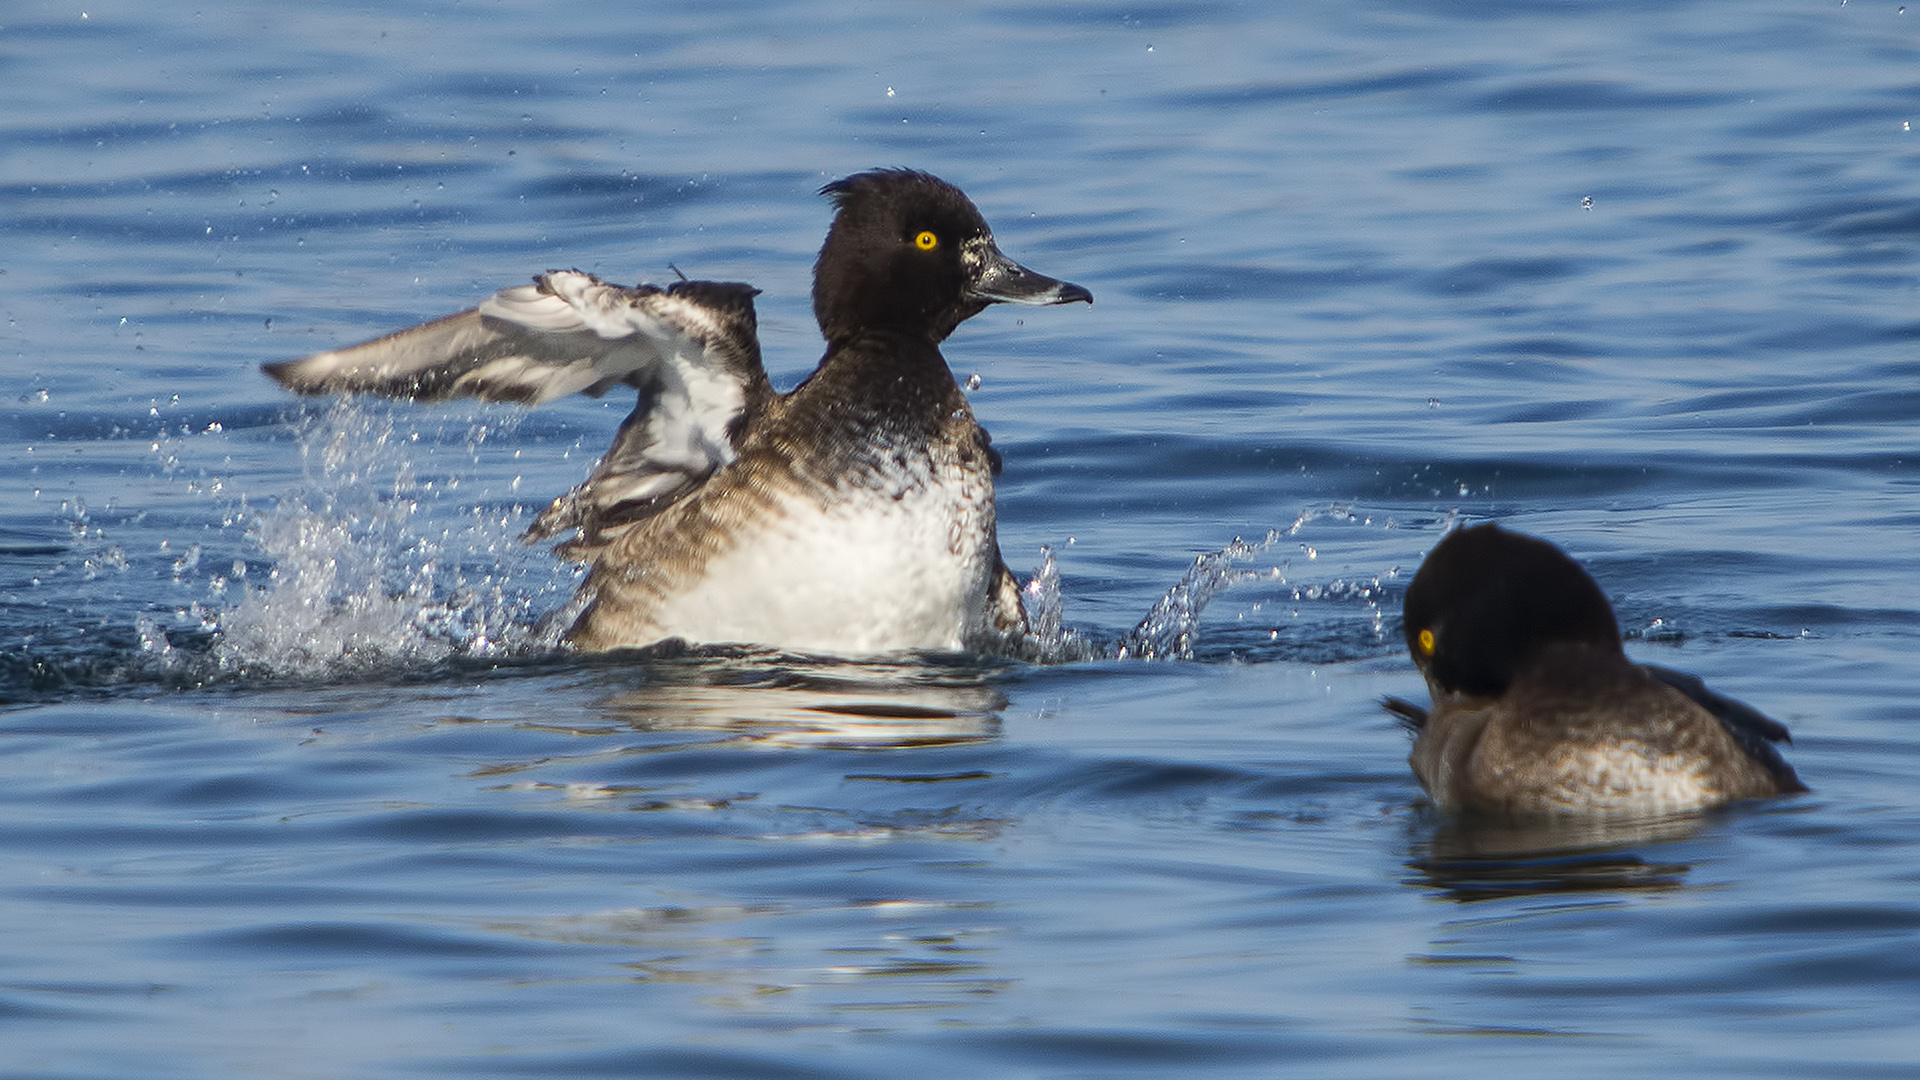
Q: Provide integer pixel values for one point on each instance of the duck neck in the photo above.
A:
(904, 374)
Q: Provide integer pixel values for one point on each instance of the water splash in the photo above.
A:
(392, 558)
(1171, 630)
(1049, 640)
(367, 573)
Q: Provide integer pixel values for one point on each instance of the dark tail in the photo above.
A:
(1411, 716)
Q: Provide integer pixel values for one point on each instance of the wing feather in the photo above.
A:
(1755, 731)
(691, 350)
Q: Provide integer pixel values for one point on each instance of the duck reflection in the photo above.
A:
(1473, 857)
(743, 902)
(781, 700)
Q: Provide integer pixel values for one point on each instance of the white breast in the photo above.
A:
(849, 577)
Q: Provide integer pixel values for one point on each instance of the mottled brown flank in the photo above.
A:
(1582, 730)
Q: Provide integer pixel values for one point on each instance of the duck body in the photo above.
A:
(858, 518)
(851, 516)
(1537, 709)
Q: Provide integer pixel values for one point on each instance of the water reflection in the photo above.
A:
(862, 957)
(781, 700)
(790, 944)
(1473, 857)
(682, 701)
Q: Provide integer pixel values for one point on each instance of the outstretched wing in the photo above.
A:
(691, 350)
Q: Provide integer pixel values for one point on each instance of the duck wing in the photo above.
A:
(691, 350)
(1755, 731)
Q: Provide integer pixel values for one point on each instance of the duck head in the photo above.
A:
(909, 253)
(1487, 604)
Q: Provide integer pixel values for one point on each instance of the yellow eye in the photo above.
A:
(926, 241)
(1426, 643)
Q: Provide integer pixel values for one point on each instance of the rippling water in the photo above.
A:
(296, 783)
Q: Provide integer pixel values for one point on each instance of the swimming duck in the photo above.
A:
(853, 515)
(1536, 708)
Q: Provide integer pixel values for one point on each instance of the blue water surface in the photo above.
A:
(294, 783)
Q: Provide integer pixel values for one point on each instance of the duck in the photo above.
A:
(853, 515)
(1536, 709)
